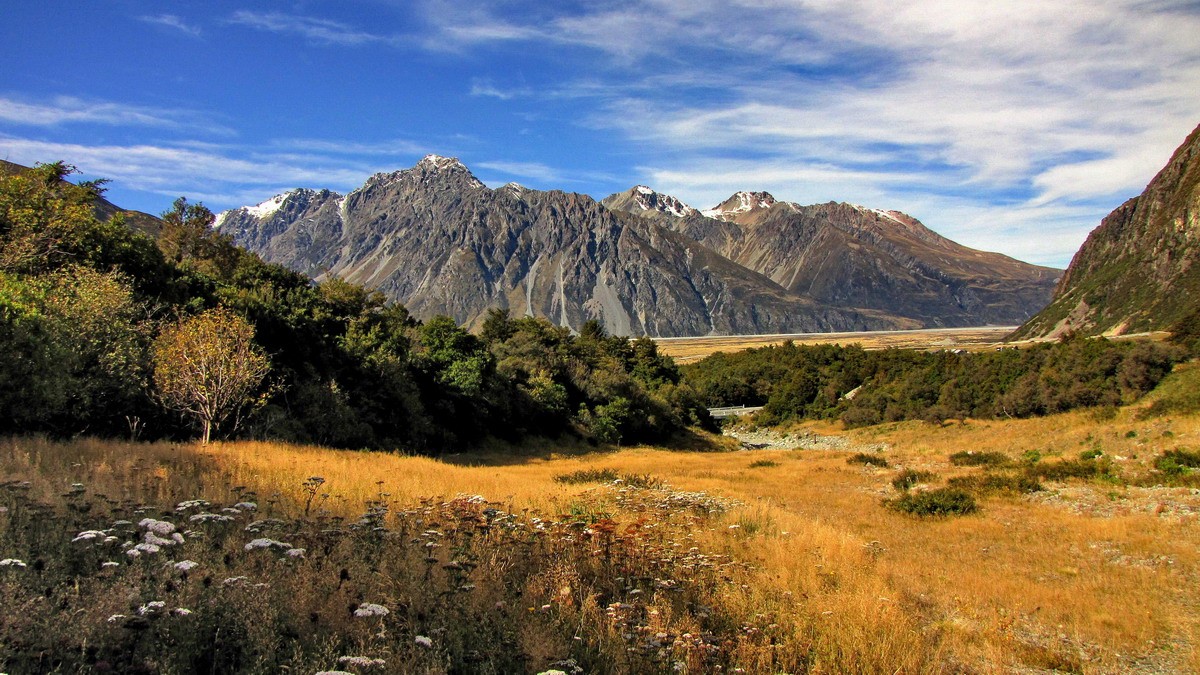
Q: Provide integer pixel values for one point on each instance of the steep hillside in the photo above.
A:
(438, 240)
(851, 256)
(1140, 269)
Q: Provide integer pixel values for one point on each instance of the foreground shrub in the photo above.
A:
(942, 502)
(867, 459)
(910, 477)
(970, 458)
(1176, 464)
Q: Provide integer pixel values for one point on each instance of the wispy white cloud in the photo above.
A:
(318, 30)
(171, 21)
(69, 110)
(534, 170)
(486, 88)
(224, 175)
(1039, 111)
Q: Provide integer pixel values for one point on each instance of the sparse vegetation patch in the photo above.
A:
(907, 478)
(942, 502)
(867, 459)
(969, 458)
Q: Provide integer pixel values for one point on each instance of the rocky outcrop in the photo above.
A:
(1140, 269)
(438, 240)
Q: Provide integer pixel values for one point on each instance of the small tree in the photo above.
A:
(209, 368)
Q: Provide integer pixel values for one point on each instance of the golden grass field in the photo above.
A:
(1083, 577)
(686, 350)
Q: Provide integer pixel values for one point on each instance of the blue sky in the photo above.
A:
(1008, 126)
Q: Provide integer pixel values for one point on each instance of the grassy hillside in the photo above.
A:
(768, 561)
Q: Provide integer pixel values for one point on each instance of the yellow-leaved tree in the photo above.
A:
(209, 368)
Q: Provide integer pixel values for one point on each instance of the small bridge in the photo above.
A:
(733, 411)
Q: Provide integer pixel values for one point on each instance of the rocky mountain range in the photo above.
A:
(852, 256)
(440, 241)
(1140, 269)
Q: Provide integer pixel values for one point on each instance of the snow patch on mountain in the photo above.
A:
(740, 202)
(265, 209)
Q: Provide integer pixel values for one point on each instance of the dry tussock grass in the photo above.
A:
(1092, 576)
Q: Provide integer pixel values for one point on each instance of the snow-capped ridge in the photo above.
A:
(265, 209)
(740, 202)
(648, 199)
(886, 215)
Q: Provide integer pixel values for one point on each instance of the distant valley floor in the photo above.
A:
(688, 349)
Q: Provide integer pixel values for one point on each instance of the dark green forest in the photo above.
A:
(104, 331)
(861, 387)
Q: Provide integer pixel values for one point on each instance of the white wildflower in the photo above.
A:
(210, 518)
(233, 581)
(424, 641)
(181, 611)
(133, 553)
(159, 527)
(371, 609)
(186, 565)
(116, 617)
(192, 504)
(266, 543)
(146, 548)
(294, 553)
(155, 540)
(552, 672)
(13, 562)
(246, 506)
(334, 672)
(151, 607)
(88, 535)
(109, 563)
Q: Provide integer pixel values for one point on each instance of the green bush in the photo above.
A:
(867, 459)
(910, 477)
(942, 502)
(1176, 463)
(970, 458)
(763, 463)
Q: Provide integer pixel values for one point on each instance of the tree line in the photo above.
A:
(861, 387)
(108, 331)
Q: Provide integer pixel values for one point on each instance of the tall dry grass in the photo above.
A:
(1086, 576)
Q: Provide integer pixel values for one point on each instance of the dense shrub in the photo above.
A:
(910, 477)
(948, 501)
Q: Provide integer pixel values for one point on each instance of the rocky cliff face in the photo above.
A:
(1140, 269)
(851, 256)
(436, 239)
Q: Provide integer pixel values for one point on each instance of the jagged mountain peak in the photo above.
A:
(265, 209)
(739, 203)
(429, 168)
(642, 198)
